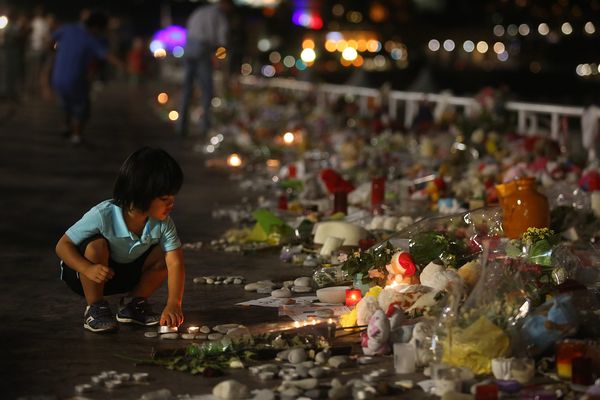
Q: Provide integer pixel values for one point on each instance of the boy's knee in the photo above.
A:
(96, 248)
(157, 265)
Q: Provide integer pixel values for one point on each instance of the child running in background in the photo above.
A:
(129, 244)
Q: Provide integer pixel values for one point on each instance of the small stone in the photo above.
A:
(238, 281)
(335, 382)
(230, 390)
(304, 384)
(405, 384)
(215, 336)
(321, 357)
(302, 289)
(218, 282)
(339, 362)
(315, 394)
(188, 336)
(366, 360)
(283, 354)
(227, 281)
(251, 287)
(200, 280)
(308, 364)
(150, 334)
(170, 336)
(266, 375)
(281, 293)
(302, 371)
(288, 284)
(86, 387)
(201, 336)
(264, 290)
(140, 376)
(210, 281)
(124, 377)
(113, 384)
(316, 372)
(263, 394)
(97, 379)
(204, 329)
(337, 393)
(296, 356)
(303, 281)
(290, 393)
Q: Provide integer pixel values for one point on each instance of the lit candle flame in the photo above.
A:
(296, 324)
(288, 137)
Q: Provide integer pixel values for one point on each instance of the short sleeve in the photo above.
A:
(169, 240)
(89, 225)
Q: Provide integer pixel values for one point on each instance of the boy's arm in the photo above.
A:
(68, 252)
(172, 314)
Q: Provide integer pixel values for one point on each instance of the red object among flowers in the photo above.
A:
(334, 181)
(353, 296)
(405, 260)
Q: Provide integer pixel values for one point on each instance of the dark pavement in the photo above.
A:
(47, 184)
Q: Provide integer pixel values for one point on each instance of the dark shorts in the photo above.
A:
(125, 279)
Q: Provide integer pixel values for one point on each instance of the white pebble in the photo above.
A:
(263, 394)
(230, 390)
(266, 375)
(224, 328)
(281, 293)
(237, 281)
(210, 281)
(161, 394)
(201, 336)
(215, 336)
(296, 356)
(205, 329)
(303, 281)
(288, 284)
(150, 334)
(170, 336)
(141, 376)
(339, 361)
(316, 372)
(302, 289)
(86, 387)
(199, 280)
(188, 336)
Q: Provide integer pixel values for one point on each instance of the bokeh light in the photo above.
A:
(288, 138)
(468, 46)
(543, 29)
(173, 115)
(308, 55)
(234, 160)
(482, 47)
(434, 45)
(162, 98)
(349, 54)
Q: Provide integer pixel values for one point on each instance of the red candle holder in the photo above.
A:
(353, 296)
(377, 192)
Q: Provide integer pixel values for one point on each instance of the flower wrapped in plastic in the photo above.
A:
(450, 240)
(473, 333)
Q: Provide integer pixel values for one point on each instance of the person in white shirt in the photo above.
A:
(207, 30)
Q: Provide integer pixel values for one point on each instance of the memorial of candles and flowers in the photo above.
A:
(455, 258)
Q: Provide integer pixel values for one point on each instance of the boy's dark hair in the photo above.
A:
(145, 175)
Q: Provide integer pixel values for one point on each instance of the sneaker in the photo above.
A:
(99, 318)
(137, 311)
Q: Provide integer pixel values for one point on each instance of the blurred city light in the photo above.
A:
(589, 28)
(482, 47)
(221, 53)
(178, 52)
(173, 115)
(566, 28)
(3, 21)
(469, 46)
(524, 30)
(308, 55)
(349, 54)
(170, 37)
(234, 160)
(543, 29)
(449, 45)
(246, 69)
(433, 45)
(288, 138)
(289, 61)
(162, 98)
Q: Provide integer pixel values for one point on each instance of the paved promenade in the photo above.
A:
(47, 184)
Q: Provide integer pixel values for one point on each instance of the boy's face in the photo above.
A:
(161, 207)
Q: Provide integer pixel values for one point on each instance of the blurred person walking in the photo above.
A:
(207, 29)
(37, 52)
(77, 47)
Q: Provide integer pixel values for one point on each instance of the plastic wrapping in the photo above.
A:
(450, 240)
(331, 276)
(472, 334)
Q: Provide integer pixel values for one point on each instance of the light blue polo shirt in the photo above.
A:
(106, 219)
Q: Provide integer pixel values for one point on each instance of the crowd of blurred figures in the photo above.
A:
(27, 49)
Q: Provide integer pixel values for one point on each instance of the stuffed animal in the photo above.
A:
(375, 340)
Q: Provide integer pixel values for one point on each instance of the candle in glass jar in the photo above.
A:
(353, 296)
(566, 351)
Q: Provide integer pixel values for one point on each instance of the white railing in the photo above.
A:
(528, 114)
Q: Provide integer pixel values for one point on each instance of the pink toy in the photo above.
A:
(375, 340)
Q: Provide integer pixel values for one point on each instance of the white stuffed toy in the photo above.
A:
(376, 339)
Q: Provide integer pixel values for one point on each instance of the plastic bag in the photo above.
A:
(450, 240)
(473, 333)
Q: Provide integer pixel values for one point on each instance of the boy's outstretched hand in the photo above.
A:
(99, 273)
(171, 315)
